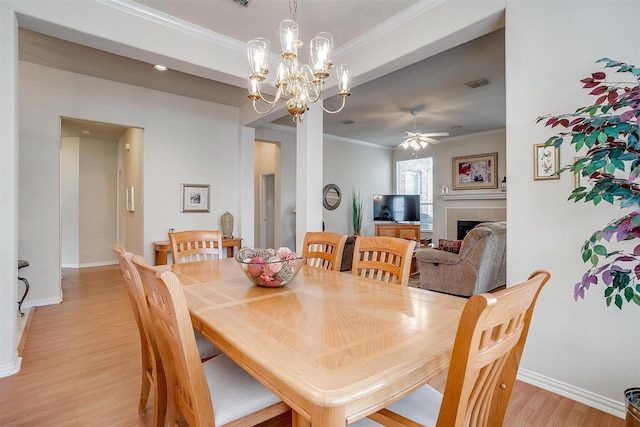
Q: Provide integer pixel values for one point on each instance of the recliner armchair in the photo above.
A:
(480, 265)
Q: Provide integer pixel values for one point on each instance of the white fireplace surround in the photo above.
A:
(453, 215)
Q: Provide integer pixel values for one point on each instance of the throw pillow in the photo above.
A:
(449, 245)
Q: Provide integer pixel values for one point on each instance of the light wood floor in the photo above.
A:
(81, 367)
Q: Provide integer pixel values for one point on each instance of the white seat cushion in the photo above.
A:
(421, 406)
(234, 393)
(206, 349)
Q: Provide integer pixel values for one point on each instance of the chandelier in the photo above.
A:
(417, 140)
(301, 83)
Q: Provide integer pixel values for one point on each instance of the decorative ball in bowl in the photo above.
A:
(271, 268)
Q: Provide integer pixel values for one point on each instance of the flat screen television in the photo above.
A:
(396, 207)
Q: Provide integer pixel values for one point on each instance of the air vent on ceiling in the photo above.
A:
(347, 122)
(477, 83)
(244, 3)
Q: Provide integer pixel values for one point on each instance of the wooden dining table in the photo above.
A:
(333, 346)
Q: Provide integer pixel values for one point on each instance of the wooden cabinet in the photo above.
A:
(398, 230)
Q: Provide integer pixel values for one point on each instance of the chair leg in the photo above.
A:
(145, 389)
(26, 291)
(160, 396)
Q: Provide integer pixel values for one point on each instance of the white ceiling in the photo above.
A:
(380, 109)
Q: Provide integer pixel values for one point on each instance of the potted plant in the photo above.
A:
(358, 207)
(609, 131)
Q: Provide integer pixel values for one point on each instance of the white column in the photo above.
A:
(247, 205)
(9, 360)
(309, 143)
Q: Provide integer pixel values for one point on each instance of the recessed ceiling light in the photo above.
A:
(160, 67)
(86, 132)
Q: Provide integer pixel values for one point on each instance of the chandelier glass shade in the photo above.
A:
(300, 83)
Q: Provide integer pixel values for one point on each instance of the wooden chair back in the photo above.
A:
(387, 259)
(486, 354)
(195, 245)
(187, 388)
(323, 249)
(152, 372)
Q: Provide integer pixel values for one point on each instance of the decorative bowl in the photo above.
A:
(269, 268)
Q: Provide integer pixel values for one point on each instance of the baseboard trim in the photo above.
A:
(89, 264)
(25, 331)
(43, 301)
(11, 368)
(610, 406)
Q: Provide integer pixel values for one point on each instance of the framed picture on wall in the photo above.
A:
(546, 162)
(195, 197)
(474, 172)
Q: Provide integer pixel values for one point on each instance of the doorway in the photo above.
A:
(267, 211)
(97, 161)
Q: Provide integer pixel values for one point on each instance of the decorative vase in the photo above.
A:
(226, 223)
(632, 397)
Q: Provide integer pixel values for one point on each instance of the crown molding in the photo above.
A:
(387, 26)
(174, 23)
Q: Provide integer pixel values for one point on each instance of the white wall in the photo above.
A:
(186, 141)
(355, 167)
(69, 201)
(581, 349)
(98, 200)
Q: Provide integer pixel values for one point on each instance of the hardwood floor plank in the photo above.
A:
(81, 367)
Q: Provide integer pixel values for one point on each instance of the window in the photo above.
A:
(415, 176)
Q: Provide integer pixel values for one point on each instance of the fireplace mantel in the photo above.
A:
(494, 195)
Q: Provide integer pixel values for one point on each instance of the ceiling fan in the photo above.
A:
(418, 140)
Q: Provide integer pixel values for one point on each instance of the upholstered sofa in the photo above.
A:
(479, 266)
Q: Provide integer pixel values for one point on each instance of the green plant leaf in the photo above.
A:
(594, 260)
(600, 250)
(601, 137)
(586, 255)
(608, 291)
(628, 293)
(618, 301)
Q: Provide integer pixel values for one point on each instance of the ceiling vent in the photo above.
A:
(347, 121)
(477, 83)
(244, 3)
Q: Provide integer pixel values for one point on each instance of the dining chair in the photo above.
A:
(323, 249)
(387, 259)
(194, 389)
(195, 245)
(486, 354)
(152, 371)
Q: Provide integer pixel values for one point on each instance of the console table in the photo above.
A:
(163, 247)
(398, 230)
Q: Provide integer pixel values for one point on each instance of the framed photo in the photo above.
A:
(195, 198)
(130, 192)
(546, 162)
(474, 172)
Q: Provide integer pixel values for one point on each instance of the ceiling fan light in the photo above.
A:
(424, 144)
(405, 145)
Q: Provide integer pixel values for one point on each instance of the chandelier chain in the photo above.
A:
(293, 9)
